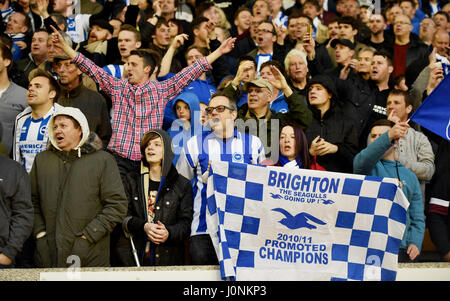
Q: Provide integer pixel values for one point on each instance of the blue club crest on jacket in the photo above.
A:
(298, 221)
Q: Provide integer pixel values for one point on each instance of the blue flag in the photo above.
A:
(434, 112)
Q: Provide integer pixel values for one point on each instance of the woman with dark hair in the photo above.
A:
(294, 150)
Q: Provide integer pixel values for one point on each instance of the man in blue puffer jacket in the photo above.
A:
(379, 159)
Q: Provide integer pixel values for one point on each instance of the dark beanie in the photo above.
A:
(325, 81)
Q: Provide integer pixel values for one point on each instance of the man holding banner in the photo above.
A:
(223, 143)
(380, 159)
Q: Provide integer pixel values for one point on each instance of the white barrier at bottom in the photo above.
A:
(404, 274)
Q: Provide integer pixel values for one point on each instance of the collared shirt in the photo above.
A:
(137, 108)
(194, 161)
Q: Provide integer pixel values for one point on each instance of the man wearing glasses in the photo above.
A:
(223, 143)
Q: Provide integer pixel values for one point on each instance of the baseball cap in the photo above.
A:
(344, 42)
(259, 82)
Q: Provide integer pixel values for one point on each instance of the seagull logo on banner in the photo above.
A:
(275, 196)
(327, 202)
(301, 220)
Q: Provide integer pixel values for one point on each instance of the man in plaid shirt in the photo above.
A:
(138, 102)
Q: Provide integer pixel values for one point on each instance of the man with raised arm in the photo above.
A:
(138, 101)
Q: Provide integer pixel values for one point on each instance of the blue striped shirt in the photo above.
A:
(194, 161)
(114, 70)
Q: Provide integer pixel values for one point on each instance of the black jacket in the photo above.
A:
(173, 208)
(75, 193)
(416, 59)
(16, 209)
(361, 101)
(337, 129)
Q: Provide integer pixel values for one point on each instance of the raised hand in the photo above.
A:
(436, 76)
(179, 40)
(281, 33)
(42, 8)
(227, 46)
(58, 41)
(242, 72)
(398, 131)
(309, 45)
(279, 81)
(156, 7)
(393, 117)
(345, 71)
(224, 48)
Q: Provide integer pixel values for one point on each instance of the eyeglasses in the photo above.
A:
(219, 109)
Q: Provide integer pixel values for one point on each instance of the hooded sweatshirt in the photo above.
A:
(166, 164)
(177, 131)
(172, 207)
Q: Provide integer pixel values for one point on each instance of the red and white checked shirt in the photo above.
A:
(138, 108)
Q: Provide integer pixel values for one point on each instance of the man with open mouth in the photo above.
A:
(78, 195)
(138, 102)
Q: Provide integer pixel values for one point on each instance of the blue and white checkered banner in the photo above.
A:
(272, 223)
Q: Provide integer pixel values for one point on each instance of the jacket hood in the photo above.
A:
(192, 101)
(76, 114)
(177, 126)
(168, 153)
